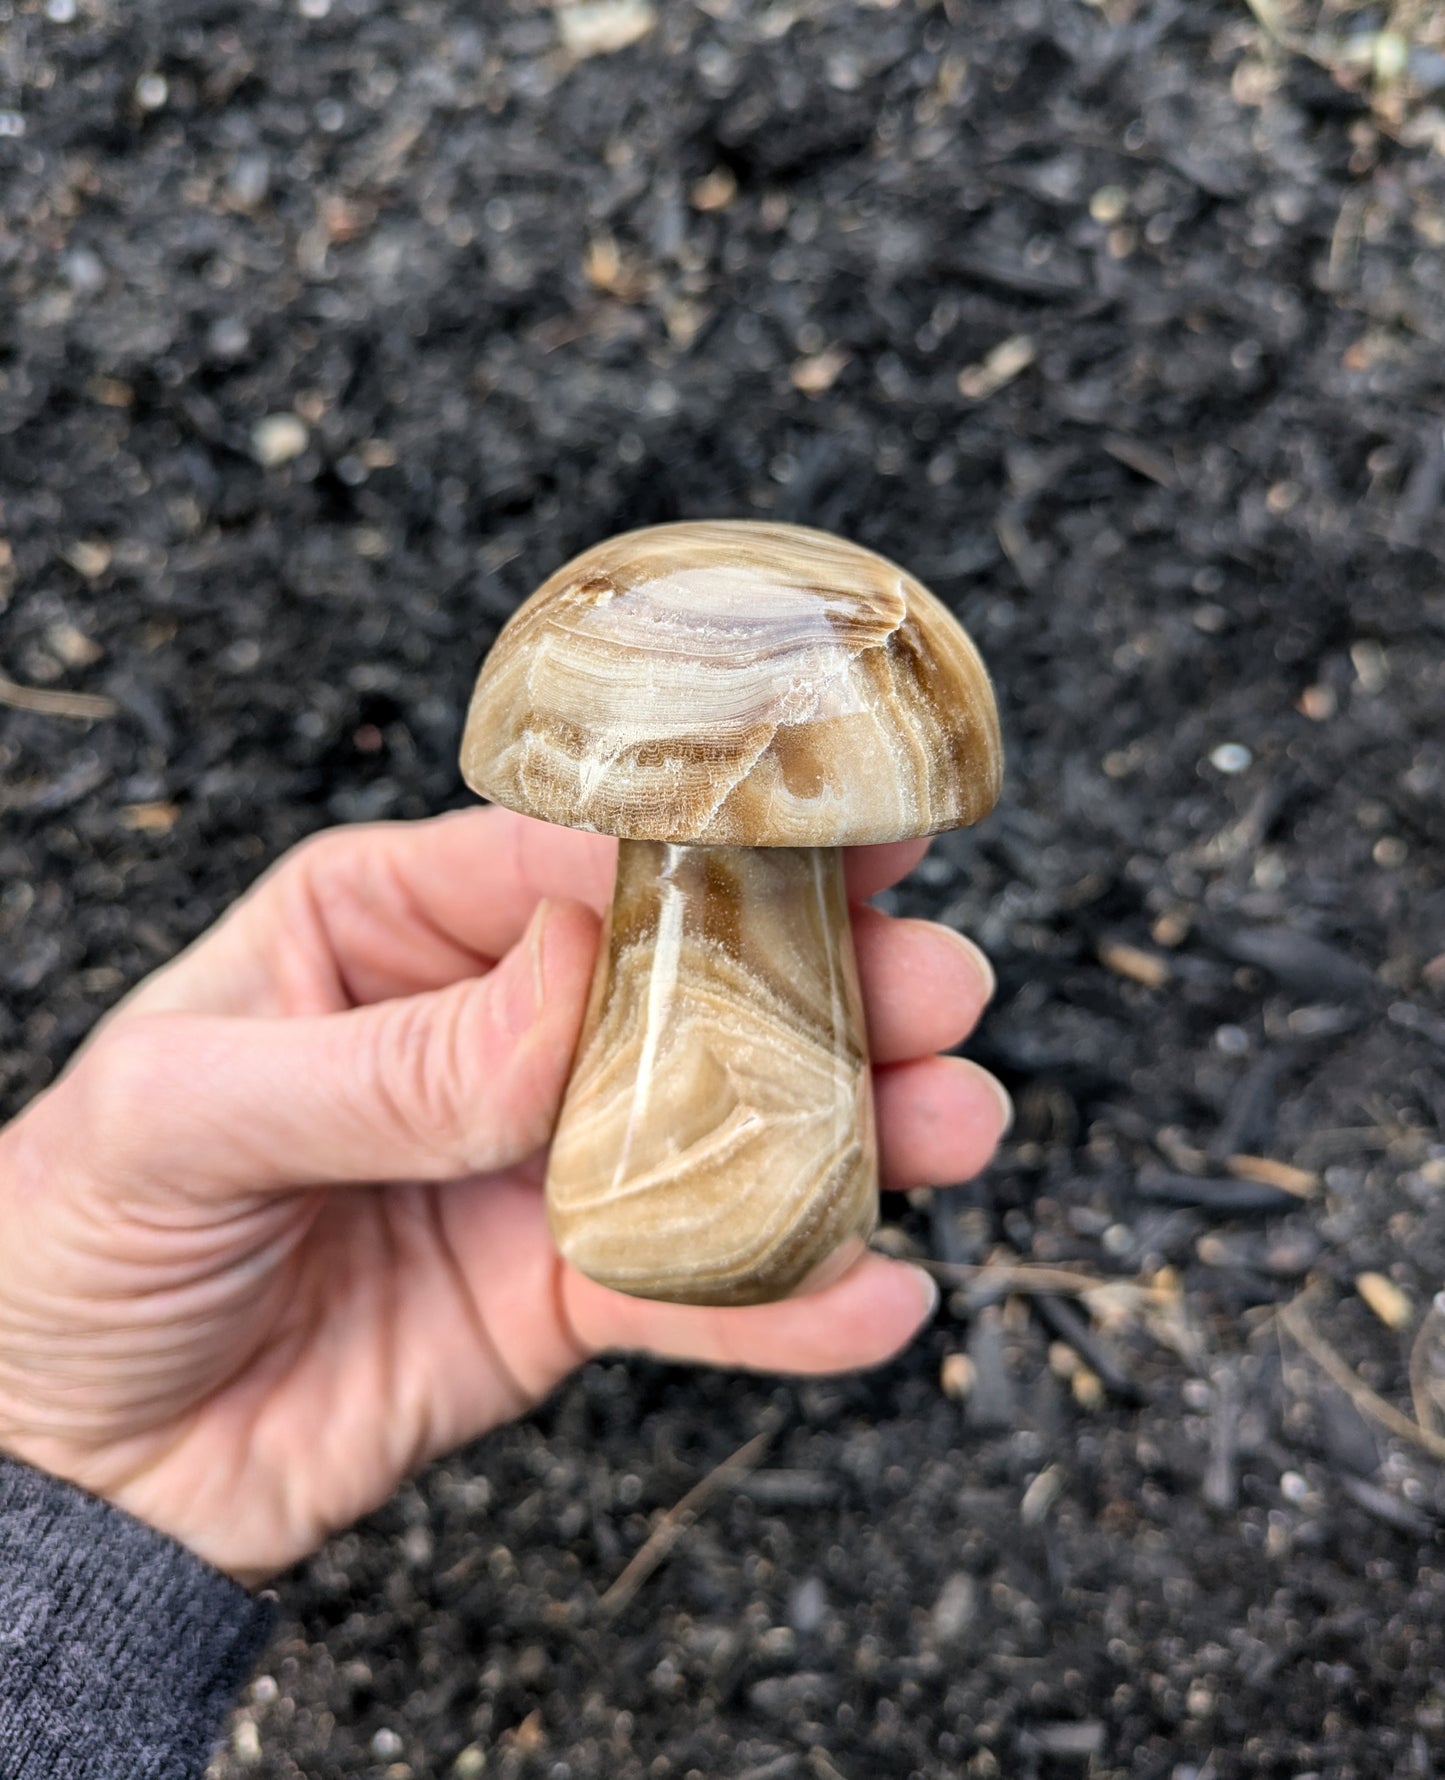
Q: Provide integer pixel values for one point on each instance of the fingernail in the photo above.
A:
(1005, 1100)
(979, 959)
(523, 991)
(999, 1092)
(927, 1291)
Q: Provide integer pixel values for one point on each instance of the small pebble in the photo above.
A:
(602, 27)
(88, 557)
(152, 91)
(241, 656)
(386, 1745)
(1386, 1299)
(808, 1606)
(416, 1542)
(278, 439)
(1109, 204)
(997, 368)
(844, 72)
(1231, 758)
(1040, 1496)
(1171, 928)
(249, 180)
(84, 271)
(1271, 871)
(228, 337)
(816, 375)
(956, 1376)
(955, 1608)
(1372, 668)
(71, 645)
(155, 816)
(1135, 963)
(715, 190)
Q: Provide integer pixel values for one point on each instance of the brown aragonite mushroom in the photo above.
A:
(736, 702)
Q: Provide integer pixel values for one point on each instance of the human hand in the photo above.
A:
(276, 1237)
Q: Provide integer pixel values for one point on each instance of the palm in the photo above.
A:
(375, 1351)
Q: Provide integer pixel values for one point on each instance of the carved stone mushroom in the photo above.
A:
(736, 702)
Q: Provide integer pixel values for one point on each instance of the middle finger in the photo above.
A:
(924, 986)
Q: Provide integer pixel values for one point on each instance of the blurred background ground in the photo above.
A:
(330, 327)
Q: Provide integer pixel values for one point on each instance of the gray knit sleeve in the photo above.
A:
(120, 1650)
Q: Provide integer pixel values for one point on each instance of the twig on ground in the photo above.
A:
(84, 706)
(1425, 1411)
(1023, 1276)
(1295, 1321)
(675, 1522)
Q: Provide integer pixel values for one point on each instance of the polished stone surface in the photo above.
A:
(717, 1141)
(731, 682)
(735, 701)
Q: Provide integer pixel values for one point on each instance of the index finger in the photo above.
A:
(397, 908)
(478, 874)
(540, 859)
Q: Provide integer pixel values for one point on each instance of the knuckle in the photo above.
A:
(125, 1080)
(329, 867)
(349, 884)
(312, 868)
(420, 1081)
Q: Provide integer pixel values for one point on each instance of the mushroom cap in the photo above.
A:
(730, 683)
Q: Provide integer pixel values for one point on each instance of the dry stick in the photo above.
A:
(1425, 1411)
(1024, 1277)
(677, 1520)
(85, 706)
(1370, 1402)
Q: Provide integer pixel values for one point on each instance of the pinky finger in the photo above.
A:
(860, 1319)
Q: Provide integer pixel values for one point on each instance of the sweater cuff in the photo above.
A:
(120, 1650)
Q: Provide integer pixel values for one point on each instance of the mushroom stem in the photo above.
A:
(716, 1145)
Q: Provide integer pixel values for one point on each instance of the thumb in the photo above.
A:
(460, 1081)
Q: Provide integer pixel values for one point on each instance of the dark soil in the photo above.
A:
(1198, 536)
